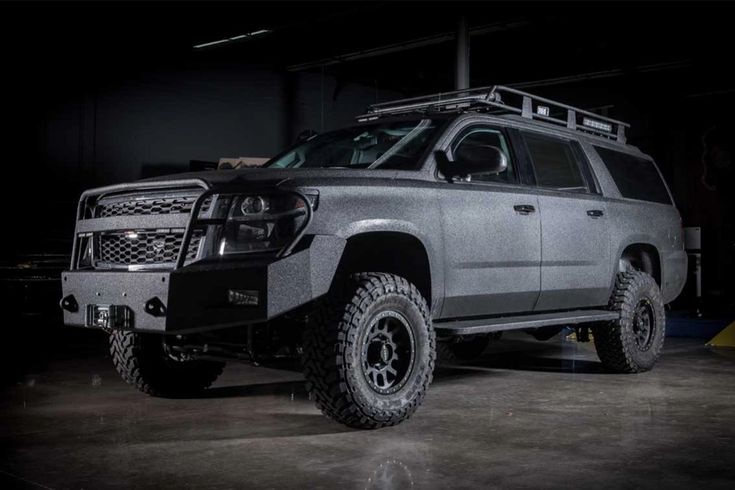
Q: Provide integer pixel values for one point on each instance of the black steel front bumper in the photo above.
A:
(197, 297)
(201, 295)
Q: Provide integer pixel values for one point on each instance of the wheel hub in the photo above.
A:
(388, 352)
(643, 324)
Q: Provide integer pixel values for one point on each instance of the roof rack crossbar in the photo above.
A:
(492, 98)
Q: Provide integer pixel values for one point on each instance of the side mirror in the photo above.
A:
(472, 160)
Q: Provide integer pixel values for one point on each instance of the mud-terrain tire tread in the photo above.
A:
(141, 362)
(334, 329)
(615, 345)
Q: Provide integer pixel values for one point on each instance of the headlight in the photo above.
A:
(262, 222)
(254, 205)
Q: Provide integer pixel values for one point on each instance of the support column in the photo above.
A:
(462, 75)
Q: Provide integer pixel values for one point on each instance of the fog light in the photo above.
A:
(243, 297)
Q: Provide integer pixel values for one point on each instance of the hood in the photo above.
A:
(297, 176)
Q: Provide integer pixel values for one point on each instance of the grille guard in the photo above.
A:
(133, 204)
(189, 223)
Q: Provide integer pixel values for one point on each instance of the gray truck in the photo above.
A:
(431, 225)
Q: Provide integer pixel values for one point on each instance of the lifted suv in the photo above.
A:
(433, 224)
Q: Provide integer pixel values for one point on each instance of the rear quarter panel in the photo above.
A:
(632, 221)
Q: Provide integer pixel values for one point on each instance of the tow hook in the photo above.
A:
(155, 307)
(69, 303)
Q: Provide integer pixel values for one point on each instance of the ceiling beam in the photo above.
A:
(406, 45)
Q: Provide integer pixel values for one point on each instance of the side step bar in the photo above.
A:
(486, 325)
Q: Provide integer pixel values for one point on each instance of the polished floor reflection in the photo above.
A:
(528, 414)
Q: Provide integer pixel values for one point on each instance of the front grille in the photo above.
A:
(145, 247)
(135, 206)
(137, 248)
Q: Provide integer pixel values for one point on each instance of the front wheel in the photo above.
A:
(369, 351)
(143, 361)
(633, 343)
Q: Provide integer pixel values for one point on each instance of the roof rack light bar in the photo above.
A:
(500, 99)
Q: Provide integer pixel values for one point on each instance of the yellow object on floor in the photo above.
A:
(726, 338)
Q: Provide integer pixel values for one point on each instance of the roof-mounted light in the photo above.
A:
(599, 125)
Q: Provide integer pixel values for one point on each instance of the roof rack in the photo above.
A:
(498, 99)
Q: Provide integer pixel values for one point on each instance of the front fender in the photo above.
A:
(436, 264)
(375, 225)
(325, 252)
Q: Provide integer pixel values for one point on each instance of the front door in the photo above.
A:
(491, 235)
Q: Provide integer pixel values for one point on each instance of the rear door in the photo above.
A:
(491, 232)
(575, 246)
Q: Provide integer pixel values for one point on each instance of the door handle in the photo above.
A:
(595, 213)
(524, 208)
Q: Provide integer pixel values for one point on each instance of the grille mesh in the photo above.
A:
(152, 205)
(145, 247)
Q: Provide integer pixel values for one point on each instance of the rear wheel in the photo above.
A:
(369, 351)
(143, 361)
(633, 343)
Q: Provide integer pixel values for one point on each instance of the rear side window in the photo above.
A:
(636, 178)
(555, 163)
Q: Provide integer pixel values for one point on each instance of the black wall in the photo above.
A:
(155, 124)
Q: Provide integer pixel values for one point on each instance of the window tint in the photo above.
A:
(636, 178)
(484, 136)
(555, 163)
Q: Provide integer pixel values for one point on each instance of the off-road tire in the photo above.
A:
(143, 362)
(618, 344)
(334, 350)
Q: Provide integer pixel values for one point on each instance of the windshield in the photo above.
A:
(386, 145)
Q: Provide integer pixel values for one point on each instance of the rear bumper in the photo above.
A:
(196, 297)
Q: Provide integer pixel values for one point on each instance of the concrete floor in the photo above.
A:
(528, 414)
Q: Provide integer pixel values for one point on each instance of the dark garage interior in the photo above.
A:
(104, 93)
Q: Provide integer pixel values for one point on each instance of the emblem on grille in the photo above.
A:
(158, 245)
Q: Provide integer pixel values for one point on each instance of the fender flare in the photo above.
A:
(635, 239)
(436, 263)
